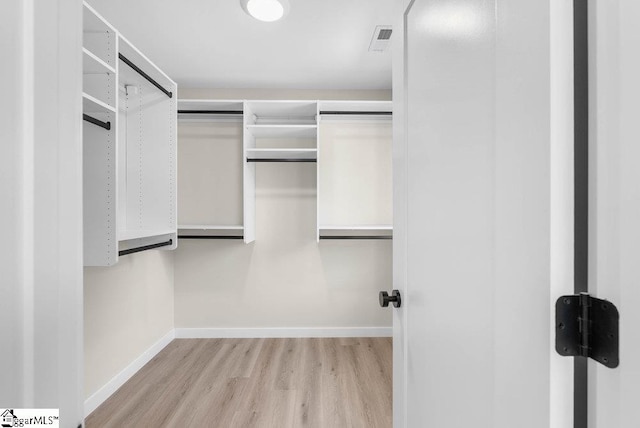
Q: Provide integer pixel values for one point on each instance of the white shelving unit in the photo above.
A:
(354, 176)
(99, 67)
(211, 138)
(148, 148)
(99, 103)
(129, 136)
(276, 131)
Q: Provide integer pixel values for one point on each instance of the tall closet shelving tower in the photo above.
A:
(129, 143)
(211, 200)
(355, 170)
(275, 131)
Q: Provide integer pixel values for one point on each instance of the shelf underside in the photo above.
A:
(199, 231)
(209, 227)
(211, 105)
(291, 109)
(93, 105)
(283, 131)
(284, 154)
(356, 232)
(92, 64)
(128, 235)
(355, 106)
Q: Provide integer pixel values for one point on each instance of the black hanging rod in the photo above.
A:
(358, 113)
(145, 248)
(281, 160)
(229, 112)
(357, 237)
(101, 124)
(145, 75)
(209, 237)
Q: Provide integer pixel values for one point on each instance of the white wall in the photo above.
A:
(285, 279)
(355, 175)
(127, 308)
(217, 167)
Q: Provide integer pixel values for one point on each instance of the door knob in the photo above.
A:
(394, 298)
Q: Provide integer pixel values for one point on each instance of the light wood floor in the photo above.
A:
(328, 383)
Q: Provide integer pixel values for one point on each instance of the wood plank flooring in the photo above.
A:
(328, 383)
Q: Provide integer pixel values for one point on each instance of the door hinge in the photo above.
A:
(588, 327)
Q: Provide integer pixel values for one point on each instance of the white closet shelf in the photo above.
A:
(137, 234)
(283, 131)
(93, 105)
(355, 106)
(282, 153)
(357, 227)
(264, 109)
(374, 231)
(91, 64)
(191, 104)
(209, 227)
(203, 231)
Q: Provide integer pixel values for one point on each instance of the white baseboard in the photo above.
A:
(112, 386)
(215, 333)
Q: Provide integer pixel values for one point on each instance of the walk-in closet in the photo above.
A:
(235, 241)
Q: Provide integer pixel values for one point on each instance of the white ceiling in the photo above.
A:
(320, 44)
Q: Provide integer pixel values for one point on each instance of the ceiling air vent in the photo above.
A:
(384, 34)
(380, 40)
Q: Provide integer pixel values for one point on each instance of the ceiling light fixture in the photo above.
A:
(266, 10)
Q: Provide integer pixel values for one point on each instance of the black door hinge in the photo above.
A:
(588, 327)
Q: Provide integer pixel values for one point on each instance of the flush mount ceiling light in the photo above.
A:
(266, 10)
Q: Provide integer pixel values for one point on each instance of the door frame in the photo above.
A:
(581, 191)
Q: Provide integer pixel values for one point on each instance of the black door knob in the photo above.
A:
(394, 298)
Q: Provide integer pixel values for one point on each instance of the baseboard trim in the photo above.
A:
(112, 386)
(243, 333)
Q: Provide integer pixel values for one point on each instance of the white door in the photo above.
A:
(614, 209)
(483, 212)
